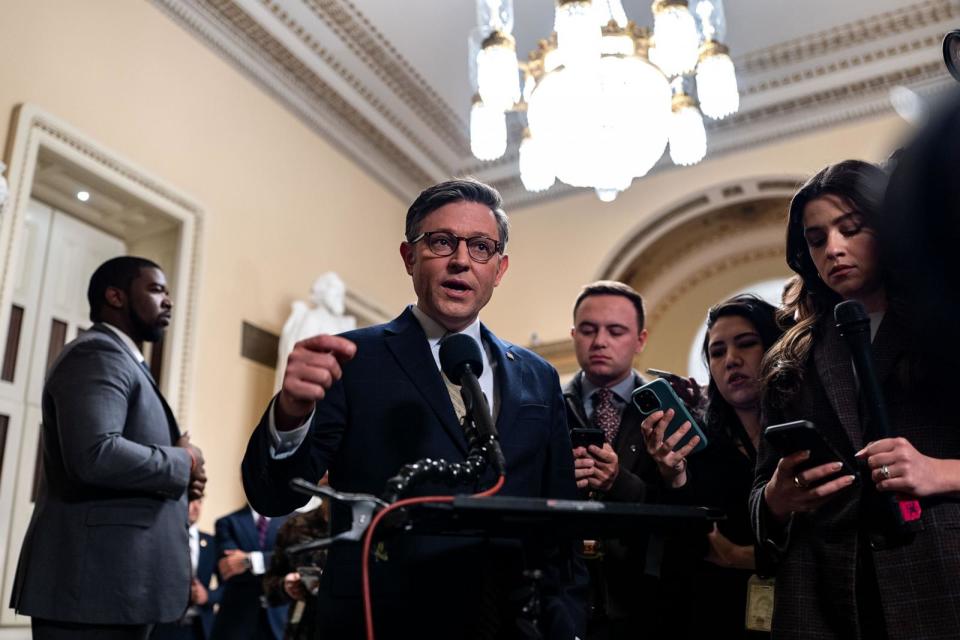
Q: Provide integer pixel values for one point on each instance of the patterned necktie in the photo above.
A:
(262, 524)
(605, 414)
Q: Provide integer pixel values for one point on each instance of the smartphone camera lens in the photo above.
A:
(647, 401)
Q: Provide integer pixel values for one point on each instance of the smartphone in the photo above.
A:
(802, 435)
(660, 373)
(659, 395)
(581, 437)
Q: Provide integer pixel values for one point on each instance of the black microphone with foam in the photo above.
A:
(853, 323)
(462, 363)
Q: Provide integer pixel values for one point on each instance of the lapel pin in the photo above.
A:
(510, 355)
(203, 543)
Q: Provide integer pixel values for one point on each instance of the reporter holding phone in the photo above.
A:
(739, 332)
(627, 594)
(840, 575)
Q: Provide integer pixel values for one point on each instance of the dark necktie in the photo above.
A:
(262, 523)
(605, 414)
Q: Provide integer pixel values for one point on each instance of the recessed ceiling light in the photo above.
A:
(83, 196)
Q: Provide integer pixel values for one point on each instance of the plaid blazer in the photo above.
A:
(919, 582)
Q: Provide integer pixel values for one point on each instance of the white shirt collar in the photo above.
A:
(436, 331)
(127, 340)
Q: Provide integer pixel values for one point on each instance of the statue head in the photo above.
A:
(329, 291)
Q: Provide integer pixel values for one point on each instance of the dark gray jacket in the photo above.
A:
(108, 541)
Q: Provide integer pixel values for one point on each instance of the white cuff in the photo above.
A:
(285, 443)
(256, 563)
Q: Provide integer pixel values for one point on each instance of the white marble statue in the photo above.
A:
(323, 313)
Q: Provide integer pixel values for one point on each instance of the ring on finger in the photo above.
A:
(885, 472)
(798, 484)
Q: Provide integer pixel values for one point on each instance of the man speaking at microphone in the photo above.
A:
(363, 404)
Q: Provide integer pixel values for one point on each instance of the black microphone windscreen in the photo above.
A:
(456, 352)
(851, 315)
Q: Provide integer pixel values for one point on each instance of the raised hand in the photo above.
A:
(312, 368)
(671, 464)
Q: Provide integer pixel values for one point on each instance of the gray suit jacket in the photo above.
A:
(108, 542)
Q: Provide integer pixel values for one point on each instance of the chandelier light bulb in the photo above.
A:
(578, 34)
(717, 82)
(675, 37)
(498, 80)
(688, 138)
(536, 171)
(488, 131)
(606, 195)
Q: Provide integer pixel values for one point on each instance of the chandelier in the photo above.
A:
(603, 97)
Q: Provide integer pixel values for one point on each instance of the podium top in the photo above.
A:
(513, 517)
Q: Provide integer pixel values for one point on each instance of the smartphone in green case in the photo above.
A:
(659, 395)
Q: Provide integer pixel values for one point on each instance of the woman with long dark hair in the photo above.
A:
(716, 568)
(844, 570)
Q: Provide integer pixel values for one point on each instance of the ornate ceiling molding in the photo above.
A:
(842, 37)
(245, 44)
(330, 64)
(366, 41)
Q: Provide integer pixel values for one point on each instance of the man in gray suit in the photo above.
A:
(107, 554)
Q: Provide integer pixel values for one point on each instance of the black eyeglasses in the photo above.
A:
(443, 243)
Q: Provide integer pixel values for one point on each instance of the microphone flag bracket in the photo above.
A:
(363, 506)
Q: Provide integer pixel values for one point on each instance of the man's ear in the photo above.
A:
(409, 255)
(115, 297)
(641, 341)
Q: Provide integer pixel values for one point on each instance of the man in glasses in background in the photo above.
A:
(367, 402)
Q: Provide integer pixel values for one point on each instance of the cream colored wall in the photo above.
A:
(557, 247)
(281, 204)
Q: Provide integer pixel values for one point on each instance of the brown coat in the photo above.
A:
(919, 582)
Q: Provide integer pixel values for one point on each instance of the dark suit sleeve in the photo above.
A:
(267, 480)
(90, 391)
(225, 537)
(215, 594)
(772, 537)
(566, 578)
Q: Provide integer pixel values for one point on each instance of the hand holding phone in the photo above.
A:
(660, 396)
(809, 473)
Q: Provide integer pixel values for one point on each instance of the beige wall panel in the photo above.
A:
(561, 245)
(281, 204)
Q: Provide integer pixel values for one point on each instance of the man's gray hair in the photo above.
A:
(458, 190)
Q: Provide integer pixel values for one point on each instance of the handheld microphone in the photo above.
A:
(462, 363)
(853, 323)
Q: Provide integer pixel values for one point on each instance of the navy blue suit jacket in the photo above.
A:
(389, 409)
(206, 569)
(240, 597)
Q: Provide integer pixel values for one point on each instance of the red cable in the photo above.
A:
(368, 540)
